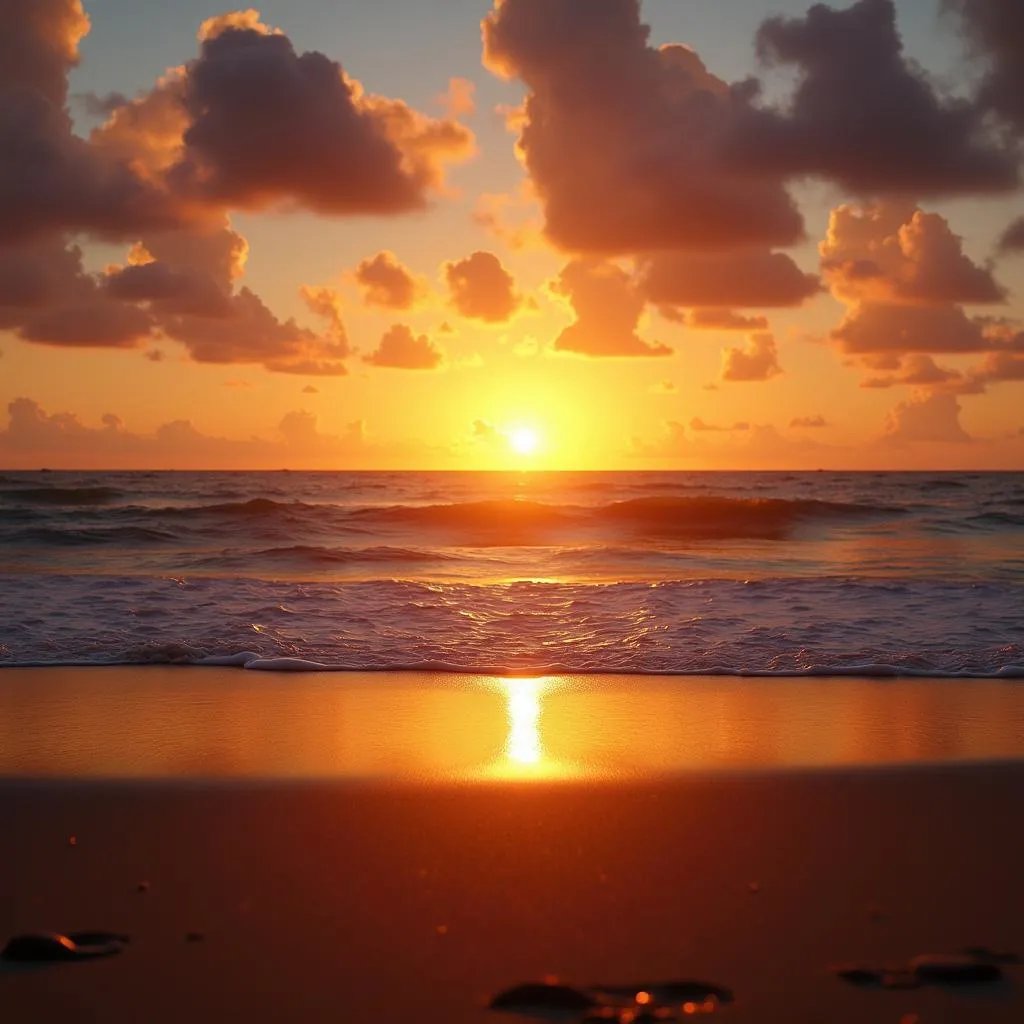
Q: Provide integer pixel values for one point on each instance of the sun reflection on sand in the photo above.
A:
(524, 757)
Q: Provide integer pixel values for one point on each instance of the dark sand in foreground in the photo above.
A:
(342, 900)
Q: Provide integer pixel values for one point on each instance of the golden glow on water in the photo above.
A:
(192, 723)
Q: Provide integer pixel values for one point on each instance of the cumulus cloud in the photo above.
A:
(864, 115)
(608, 309)
(51, 180)
(388, 284)
(918, 370)
(905, 280)
(808, 423)
(625, 143)
(47, 297)
(996, 27)
(745, 279)
(401, 349)
(758, 361)
(929, 417)
(268, 125)
(482, 289)
(895, 253)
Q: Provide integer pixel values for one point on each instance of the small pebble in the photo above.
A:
(535, 996)
(53, 947)
(72, 840)
(195, 936)
(441, 929)
(754, 888)
(954, 969)
(142, 887)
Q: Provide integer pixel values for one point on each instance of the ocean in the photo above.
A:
(750, 574)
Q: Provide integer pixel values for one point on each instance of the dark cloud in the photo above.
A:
(482, 289)
(996, 27)
(625, 143)
(1012, 239)
(401, 349)
(268, 125)
(717, 320)
(745, 279)
(608, 309)
(808, 423)
(865, 116)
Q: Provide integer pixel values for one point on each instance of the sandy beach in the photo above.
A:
(369, 897)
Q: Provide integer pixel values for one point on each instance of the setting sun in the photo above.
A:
(524, 441)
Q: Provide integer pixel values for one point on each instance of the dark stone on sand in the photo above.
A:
(142, 887)
(543, 997)
(195, 936)
(862, 977)
(53, 947)
(673, 993)
(954, 969)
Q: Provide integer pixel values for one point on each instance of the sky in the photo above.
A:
(584, 234)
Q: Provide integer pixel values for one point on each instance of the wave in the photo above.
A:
(50, 536)
(521, 522)
(313, 555)
(61, 495)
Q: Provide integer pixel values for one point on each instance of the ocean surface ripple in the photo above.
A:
(685, 573)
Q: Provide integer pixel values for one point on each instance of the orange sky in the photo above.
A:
(621, 236)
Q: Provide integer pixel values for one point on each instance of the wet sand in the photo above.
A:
(377, 898)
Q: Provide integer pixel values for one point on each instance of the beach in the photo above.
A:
(358, 890)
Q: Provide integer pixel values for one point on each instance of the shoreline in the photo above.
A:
(164, 722)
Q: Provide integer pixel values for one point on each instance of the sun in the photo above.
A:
(524, 440)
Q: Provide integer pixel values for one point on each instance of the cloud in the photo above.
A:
(719, 320)
(400, 349)
(482, 289)
(47, 297)
(460, 99)
(1012, 239)
(608, 309)
(918, 370)
(33, 437)
(699, 426)
(996, 27)
(905, 280)
(891, 252)
(52, 181)
(626, 144)
(664, 387)
(310, 390)
(185, 282)
(864, 115)
(928, 417)
(758, 361)
(268, 125)
(745, 279)
(808, 423)
(388, 284)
